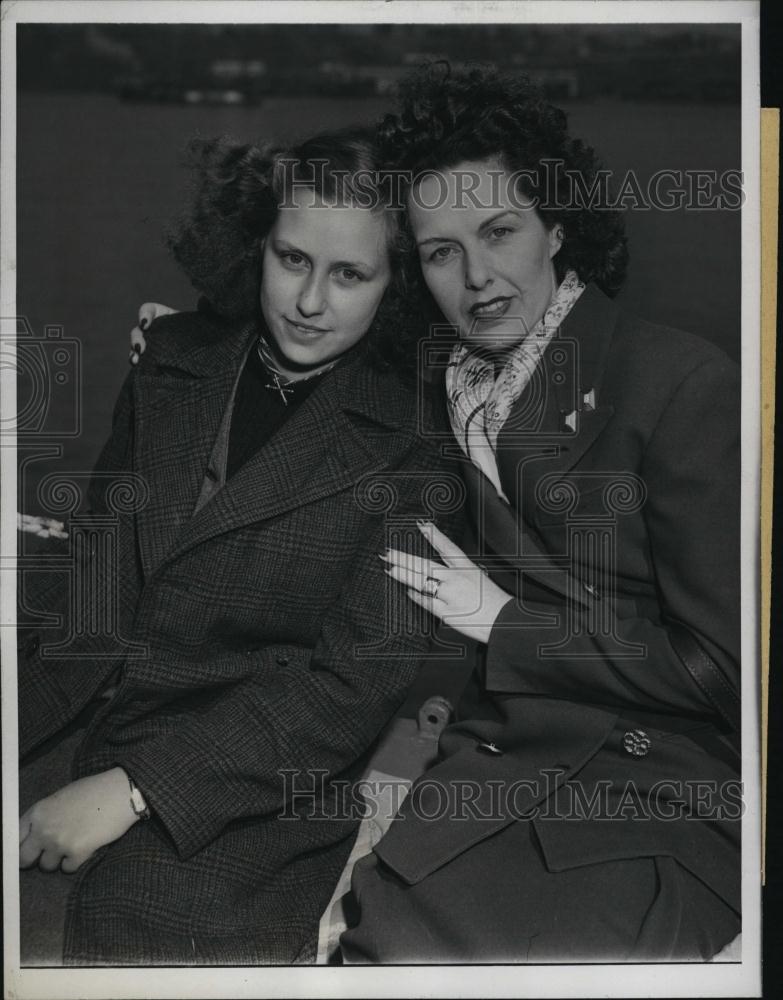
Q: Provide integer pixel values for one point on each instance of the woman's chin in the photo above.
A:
(497, 336)
(296, 355)
(303, 358)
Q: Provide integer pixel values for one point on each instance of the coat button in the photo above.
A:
(491, 748)
(32, 646)
(282, 661)
(636, 743)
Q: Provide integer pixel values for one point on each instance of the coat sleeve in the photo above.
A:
(302, 714)
(692, 518)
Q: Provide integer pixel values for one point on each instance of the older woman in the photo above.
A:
(259, 648)
(586, 804)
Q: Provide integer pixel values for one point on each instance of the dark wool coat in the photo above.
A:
(622, 467)
(258, 636)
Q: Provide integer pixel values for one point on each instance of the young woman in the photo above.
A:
(601, 457)
(259, 648)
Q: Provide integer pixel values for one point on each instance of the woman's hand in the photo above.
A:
(67, 828)
(148, 312)
(457, 591)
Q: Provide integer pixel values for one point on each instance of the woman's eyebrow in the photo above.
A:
(435, 239)
(484, 225)
(495, 218)
(355, 265)
(280, 244)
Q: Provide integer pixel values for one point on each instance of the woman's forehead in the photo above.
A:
(467, 194)
(343, 231)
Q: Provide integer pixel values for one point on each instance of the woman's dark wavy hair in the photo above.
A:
(235, 194)
(445, 118)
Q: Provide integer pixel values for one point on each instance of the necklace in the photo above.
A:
(284, 383)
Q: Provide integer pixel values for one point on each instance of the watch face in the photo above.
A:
(138, 805)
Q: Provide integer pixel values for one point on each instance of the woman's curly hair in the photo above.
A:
(235, 194)
(445, 118)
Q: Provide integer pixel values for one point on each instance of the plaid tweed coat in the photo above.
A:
(262, 648)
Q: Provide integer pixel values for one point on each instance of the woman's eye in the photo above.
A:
(441, 254)
(293, 259)
(349, 275)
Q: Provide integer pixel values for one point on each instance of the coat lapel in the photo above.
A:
(507, 545)
(319, 451)
(575, 411)
(179, 408)
(540, 442)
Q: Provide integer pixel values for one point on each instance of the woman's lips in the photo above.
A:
(491, 309)
(305, 330)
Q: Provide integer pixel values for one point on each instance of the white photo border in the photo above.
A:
(684, 979)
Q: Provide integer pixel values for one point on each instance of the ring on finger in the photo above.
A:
(431, 587)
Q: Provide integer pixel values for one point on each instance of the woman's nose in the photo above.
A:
(312, 298)
(476, 272)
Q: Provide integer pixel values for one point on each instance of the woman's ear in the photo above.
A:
(556, 237)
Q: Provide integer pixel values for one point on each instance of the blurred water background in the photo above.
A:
(98, 178)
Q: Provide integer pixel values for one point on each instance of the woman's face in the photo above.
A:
(325, 269)
(485, 254)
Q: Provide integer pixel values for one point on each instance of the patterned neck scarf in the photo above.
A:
(479, 402)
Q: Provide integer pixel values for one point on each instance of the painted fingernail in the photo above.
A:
(133, 358)
(144, 323)
(384, 556)
(137, 348)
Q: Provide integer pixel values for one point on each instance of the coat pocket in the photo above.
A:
(710, 849)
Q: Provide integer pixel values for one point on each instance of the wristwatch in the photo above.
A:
(138, 805)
